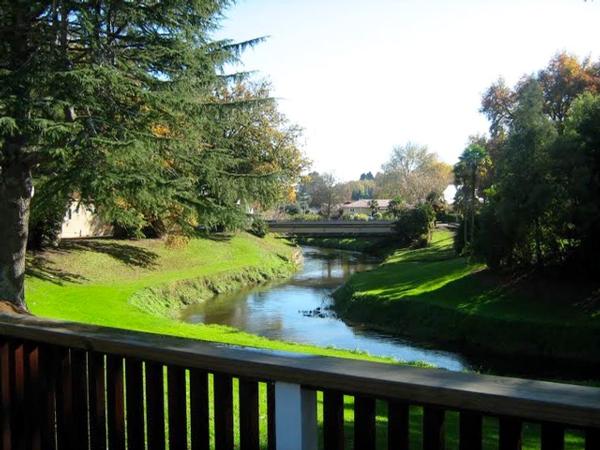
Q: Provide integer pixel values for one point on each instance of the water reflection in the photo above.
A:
(276, 311)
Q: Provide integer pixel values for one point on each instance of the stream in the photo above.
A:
(297, 310)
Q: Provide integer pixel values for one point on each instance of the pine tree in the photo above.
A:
(118, 102)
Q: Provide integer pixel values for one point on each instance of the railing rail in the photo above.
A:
(333, 222)
(333, 228)
(97, 387)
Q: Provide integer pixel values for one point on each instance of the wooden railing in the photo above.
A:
(72, 386)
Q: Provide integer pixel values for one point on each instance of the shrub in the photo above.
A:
(259, 227)
(292, 209)
(308, 217)
(177, 241)
(415, 225)
(359, 217)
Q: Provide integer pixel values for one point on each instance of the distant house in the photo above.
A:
(81, 221)
(364, 206)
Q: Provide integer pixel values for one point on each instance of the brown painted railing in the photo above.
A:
(72, 386)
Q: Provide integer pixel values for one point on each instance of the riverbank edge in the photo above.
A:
(472, 333)
(167, 300)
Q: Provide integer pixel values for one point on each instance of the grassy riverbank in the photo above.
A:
(140, 285)
(431, 294)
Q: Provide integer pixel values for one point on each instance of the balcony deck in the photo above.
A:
(66, 385)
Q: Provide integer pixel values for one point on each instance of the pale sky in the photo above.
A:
(362, 76)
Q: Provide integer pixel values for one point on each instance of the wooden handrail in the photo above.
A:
(538, 401)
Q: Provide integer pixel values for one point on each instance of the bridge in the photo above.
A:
(74, 386)
(333, 228)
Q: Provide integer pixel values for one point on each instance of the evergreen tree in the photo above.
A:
(575, 163)
(541, 191)
(524, 187)
(120, 103)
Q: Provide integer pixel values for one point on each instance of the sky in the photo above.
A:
(361, 76)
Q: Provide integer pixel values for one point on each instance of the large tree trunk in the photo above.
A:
(15, 197)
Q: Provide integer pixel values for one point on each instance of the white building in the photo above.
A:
(81, 221)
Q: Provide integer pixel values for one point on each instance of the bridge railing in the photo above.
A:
(73, 386)
(333, 222)
(333, 228)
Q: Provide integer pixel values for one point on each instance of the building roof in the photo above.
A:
(366, 203)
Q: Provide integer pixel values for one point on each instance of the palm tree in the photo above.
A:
(470, 170)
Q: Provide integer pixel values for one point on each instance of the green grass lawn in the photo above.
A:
(432, 294)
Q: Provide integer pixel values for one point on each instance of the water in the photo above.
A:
(280, 311)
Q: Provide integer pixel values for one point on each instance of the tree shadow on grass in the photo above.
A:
(218, 237)
(42, 268)
(128, 254)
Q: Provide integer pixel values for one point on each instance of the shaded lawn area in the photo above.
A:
(437, 276)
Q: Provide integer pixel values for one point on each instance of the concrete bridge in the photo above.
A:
(333, 228)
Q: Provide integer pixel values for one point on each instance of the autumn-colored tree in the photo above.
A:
(322, 188)
(412, 172)
(540, 193)
(257, 159)
(497, 105)
(563, 80)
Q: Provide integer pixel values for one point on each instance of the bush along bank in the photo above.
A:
(431, 296)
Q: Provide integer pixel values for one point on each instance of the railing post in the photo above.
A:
(295, 417)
